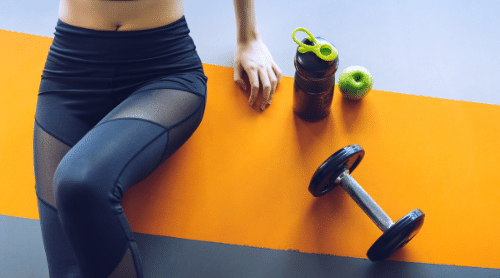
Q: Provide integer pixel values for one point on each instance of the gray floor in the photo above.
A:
(444, 49)
(23, 256)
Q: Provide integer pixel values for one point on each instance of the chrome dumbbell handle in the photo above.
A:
(365, 202)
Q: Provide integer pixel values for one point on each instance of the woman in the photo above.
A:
(122, 89)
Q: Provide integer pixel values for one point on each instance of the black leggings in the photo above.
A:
(112, 106)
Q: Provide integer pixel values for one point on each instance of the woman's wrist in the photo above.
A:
(246, 23)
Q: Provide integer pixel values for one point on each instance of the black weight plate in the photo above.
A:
(324, 179)
(397, 236)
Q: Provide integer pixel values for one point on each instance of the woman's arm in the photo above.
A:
(252, 56)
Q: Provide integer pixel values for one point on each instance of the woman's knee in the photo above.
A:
(120, 152)
(75, 184)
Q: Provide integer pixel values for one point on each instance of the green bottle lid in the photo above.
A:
(324, 51)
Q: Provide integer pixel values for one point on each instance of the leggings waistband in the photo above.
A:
(78, 44)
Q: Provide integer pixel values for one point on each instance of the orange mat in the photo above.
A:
(242, 177)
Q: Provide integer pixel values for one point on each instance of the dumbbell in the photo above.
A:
(336, 170)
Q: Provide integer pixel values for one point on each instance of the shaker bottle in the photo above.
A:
(316, 62)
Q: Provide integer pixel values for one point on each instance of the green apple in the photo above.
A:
(355, 82)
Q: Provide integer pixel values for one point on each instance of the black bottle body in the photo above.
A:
(314, 84)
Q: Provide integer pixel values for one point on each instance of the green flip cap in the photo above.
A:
(324, 51)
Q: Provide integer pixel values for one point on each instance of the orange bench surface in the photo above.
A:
(242, 177)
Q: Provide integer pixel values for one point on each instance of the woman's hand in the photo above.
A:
(254, 58)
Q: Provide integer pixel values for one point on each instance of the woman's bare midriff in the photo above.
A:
(122, 15)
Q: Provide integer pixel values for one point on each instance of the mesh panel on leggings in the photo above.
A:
(179, 111)
(163, 106)
(126, 268)
(47, 153)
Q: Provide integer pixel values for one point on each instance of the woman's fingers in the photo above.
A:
(238, 79)
(277, 72)
(274, 83)
(254, 85)
(266, 87)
